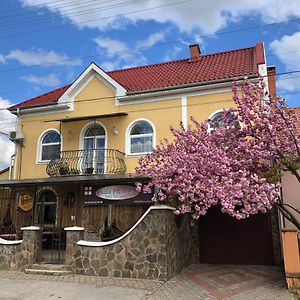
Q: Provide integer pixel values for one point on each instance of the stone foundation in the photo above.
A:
(293, 284)
(159, 247)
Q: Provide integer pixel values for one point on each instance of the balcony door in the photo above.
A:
(94, 150)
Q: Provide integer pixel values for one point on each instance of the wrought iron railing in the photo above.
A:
(84, 162)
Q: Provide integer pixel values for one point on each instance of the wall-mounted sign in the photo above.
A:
(114, 194)
(117, 192)
(25, 202)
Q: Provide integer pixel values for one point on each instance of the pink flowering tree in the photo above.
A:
(237, 165)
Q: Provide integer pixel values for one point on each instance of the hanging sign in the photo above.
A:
(25, 202)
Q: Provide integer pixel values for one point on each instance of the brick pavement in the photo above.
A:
(224, 282)
(208, 282)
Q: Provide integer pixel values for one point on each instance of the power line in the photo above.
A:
(146, 47)
(42, 20)
(97, 19)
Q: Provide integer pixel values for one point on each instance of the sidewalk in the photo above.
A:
(208, 282)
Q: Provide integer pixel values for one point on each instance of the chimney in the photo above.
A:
(195, 52)
(271, 81)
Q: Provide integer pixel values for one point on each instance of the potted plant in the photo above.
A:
(63, 168)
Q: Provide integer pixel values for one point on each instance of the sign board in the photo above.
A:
(114, 194)
(117, 192)
(25, 202)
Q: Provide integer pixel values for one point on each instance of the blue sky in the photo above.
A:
(46, 44)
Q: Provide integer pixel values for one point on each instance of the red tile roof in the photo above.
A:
(223, 66)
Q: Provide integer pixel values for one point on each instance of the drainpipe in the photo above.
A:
(16, 147)
(12, 164)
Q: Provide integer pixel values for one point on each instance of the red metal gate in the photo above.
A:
(225, 240)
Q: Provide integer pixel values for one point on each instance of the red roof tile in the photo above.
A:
(211, 67)
(297, 111)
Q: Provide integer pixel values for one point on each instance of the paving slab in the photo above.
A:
(230, 282)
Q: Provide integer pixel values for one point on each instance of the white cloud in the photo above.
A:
(7, 124)
(207, 16)
(152, 39)
(119, 54)
(41, 57)
(48, 81)
(2, 58)
(287, 50)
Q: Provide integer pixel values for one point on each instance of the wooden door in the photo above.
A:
(225, 240)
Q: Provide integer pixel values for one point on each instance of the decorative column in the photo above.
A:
(31, 245)
(74, 234)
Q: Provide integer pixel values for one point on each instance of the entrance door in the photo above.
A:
(53, 237)
(94, 150)
(225, 240)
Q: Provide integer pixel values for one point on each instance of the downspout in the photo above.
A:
(16, 148)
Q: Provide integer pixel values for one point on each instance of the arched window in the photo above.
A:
(140, 138)
(217, 120)
(50, 146)
(94, 149)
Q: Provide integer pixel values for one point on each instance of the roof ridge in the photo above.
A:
(149, 65)
(180, 60)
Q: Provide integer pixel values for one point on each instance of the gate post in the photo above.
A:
(31, 244)
(74, 234)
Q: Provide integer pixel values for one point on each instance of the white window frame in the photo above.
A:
(211, 116)
(40, 145)
(129, 137)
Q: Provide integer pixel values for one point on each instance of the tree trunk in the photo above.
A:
(288, 214)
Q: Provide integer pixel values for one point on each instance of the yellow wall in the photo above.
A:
(90, 102)
(4, 175)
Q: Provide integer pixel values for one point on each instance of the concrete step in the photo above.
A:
(47, 272)
(51, 267)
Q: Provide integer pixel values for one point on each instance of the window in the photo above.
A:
(46, 208)
(217, 120)
(50, 146)
(94, 149)
(141, 138)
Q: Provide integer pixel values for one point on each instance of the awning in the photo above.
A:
(78, 179)
(81, 118)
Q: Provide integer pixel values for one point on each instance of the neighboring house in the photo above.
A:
(291, 186)
(78, 146)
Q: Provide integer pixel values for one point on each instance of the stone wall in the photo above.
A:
(18, 255)
(10, 257)
(157, 248)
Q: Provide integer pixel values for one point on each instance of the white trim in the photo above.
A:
(216, 112)
(102, 244)
(31, 228)
(39, 145)
(128, 139)
(88, 74)
(10, 242)
(184, 111)
(176, 93)
(74, 228)
(45, 110)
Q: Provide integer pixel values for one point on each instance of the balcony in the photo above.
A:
(87, 162)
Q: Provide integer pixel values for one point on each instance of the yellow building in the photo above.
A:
(77, 147)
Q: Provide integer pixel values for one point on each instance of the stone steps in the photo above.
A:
(49, 269)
